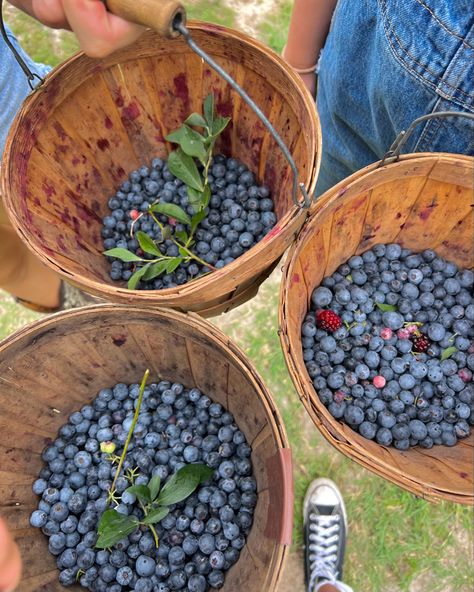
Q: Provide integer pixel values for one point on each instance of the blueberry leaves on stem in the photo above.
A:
(114, 526)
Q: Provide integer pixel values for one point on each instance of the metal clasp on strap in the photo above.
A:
(28, 73)
(393, 153)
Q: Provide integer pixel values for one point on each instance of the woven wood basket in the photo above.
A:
(54, 366)
(94, 121)
(422, 201)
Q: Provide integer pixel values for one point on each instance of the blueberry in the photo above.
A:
(353, 415)
(368, 430)
(384, 436)
(321, 297)
(145, 566)
(38, 518)
(124, 576)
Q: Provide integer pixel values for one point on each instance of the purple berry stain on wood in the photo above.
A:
(181, 90)
(119, 340)
(103, 144)
(108, 122)
(131, 111)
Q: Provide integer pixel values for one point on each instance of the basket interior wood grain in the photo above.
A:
(94, 121)
(55, 366)
(420, 202)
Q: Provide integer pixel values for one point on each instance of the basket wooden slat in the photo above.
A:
(58, 364)
(422, 201)
(94, 121)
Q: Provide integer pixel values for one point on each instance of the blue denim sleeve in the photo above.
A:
(14, 87)
(384, 64)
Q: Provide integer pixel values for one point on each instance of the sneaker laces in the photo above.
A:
(323, 550)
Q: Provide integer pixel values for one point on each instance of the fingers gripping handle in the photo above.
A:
(161, 15)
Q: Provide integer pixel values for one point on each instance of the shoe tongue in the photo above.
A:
(325, 510)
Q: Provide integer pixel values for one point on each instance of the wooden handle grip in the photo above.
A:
(159, 15)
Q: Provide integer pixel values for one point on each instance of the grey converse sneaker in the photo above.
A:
(325, 531)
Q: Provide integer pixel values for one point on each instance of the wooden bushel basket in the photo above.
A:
(422, 201)
(93, 121)
(53, 367)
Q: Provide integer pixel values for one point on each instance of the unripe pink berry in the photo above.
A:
(386, 333)
(339, 396)
(403, 334)
(379, 381)
(465, 375)
(134, 214)
(412, 329)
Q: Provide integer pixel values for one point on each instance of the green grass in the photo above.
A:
(397, 542)
(213, 11)
(274, 27)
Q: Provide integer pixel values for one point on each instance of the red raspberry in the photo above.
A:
(134, 214)
(420, 343)
(328, 320)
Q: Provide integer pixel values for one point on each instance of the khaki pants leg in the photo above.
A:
(21, 273)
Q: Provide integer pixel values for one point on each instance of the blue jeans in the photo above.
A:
(14, 87)
(385, 63)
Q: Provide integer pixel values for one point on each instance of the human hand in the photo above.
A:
(310, 82)
(99, 32)
(10, 562)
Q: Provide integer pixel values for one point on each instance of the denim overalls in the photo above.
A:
(385, 63)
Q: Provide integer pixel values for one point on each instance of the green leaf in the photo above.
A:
(166, 233)
(197, 219)
(182, 484)
(195, 197)
(172, 211)
(155, 270)
(142, 492)
(209, 110)
(183, 252)
(156, 516)
(176, 136)
(182, 165)
(219, 125)
(193, 144)
(386, 307)
(137, 276)
(196, 119)
(147, 244)
(154, 487)
(448, 352)
(173, 264)
(122, 254)
(113, 527)
(181, 235)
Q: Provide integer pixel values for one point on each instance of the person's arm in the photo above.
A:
(99, 32)
(309, 27)
(10, 562)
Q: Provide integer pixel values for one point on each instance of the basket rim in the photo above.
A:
(330, 428)
(146, 297)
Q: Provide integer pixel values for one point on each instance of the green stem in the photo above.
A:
(180, 245)
(132, 428)
(152, 528)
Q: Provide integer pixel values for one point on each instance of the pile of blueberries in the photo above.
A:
(388, 344)
(239, 215)
(202, 536)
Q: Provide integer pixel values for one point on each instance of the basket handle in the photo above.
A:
(393, 153)
(279, 525)
(162, 16)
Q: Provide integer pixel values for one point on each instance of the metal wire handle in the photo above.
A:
(179, 26)
(393, 153)
(32, 76)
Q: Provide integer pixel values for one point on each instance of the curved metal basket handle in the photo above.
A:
(393, 153)
(28, 73)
